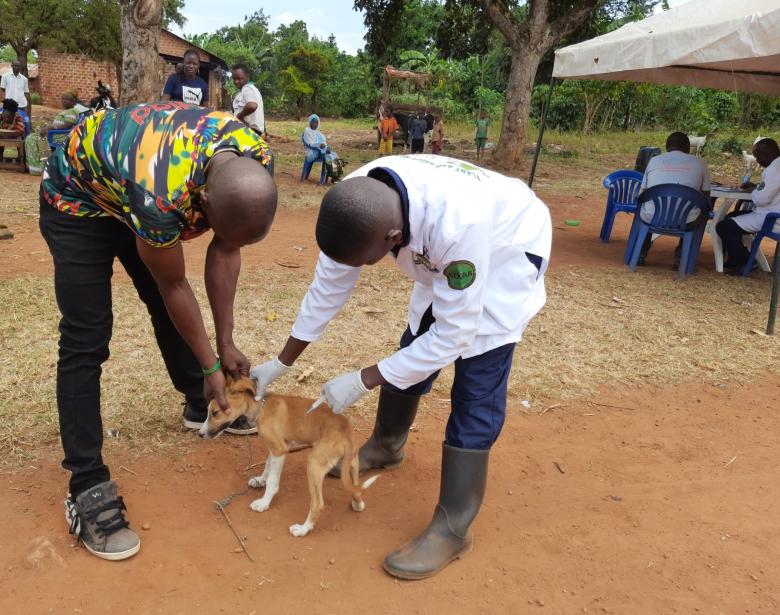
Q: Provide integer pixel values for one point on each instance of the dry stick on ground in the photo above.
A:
(129, 470)
(595, 403)
(219, 507)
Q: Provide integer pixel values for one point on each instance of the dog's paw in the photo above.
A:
(260, 505)
(300, 529)
(257, 482)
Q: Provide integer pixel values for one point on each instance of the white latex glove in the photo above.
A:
(266, 373)
(343, 391)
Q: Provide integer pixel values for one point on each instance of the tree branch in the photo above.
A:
(502, 19)
(564, 26)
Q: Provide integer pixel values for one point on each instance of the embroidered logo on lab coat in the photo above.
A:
(460, 274)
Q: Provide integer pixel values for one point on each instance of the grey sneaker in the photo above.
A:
(242, 426)
(97, 518)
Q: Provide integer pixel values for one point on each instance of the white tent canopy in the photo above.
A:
(725, 44)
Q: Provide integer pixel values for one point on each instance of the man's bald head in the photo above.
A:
(360, 221)
(241, 201)
(766, 152)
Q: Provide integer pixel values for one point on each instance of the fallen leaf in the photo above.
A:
(305, 374)
(271, 316)
(288, 265)
(373, 310)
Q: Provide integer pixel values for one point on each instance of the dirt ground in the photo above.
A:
(639, 500)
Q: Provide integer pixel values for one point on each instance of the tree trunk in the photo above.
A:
(517, 109)
(22, 50)
(627, 116)
(140, 75)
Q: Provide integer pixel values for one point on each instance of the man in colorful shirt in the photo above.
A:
(132, 184)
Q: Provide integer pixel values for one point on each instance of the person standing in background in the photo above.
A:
(387, 127)
(187, 86)
(417, 129)
(248, 102)
(437, 135)
(14, 85)
(482, 124)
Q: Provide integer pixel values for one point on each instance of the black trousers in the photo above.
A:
(418, 145)
(84, 250)
(731, 235)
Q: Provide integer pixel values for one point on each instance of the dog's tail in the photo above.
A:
(349, 474)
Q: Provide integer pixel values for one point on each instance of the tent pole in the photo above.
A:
(538, 149)
(770, 324)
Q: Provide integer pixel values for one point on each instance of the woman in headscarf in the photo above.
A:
(316, 147)
(65, 119)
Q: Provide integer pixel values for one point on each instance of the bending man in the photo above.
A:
(132, 184)
(477, 244)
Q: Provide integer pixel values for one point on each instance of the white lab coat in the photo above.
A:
(766, 198)
(458, 212)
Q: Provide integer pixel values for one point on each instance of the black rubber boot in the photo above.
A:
(447, 537)
(385, 448)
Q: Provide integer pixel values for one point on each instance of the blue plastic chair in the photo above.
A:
(767, 230)
(673, 203)
(623, 187)
(313, 154)
(51, 134)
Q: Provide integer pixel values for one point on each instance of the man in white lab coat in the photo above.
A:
(766, 199)
(476, 244)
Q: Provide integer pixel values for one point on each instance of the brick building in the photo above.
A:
(59, 72)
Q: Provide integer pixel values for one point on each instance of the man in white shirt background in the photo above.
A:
(476, 244)
(766, 199)
(248, 102)
(676, 166)
(14, 85)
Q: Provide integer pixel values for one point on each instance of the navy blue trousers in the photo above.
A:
(478, 394)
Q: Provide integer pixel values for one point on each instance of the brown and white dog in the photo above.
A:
(282, 421)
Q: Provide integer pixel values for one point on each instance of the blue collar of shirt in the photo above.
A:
(390, 178)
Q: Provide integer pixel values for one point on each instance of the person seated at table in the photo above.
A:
(676, 166)
(11, 121)
(766, 199)
(67, 118)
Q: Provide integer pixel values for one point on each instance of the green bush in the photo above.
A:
(35, 98)
(728, 144)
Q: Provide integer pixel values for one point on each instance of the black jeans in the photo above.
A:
(731, 235)
(84, 250)
(418, 145)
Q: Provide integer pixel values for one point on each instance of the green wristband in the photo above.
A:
(217, 366)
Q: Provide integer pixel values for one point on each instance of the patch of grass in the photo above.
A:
(600, 327)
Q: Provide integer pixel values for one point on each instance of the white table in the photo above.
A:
(729, 196)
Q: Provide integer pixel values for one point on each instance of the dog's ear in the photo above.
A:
(242, 385)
